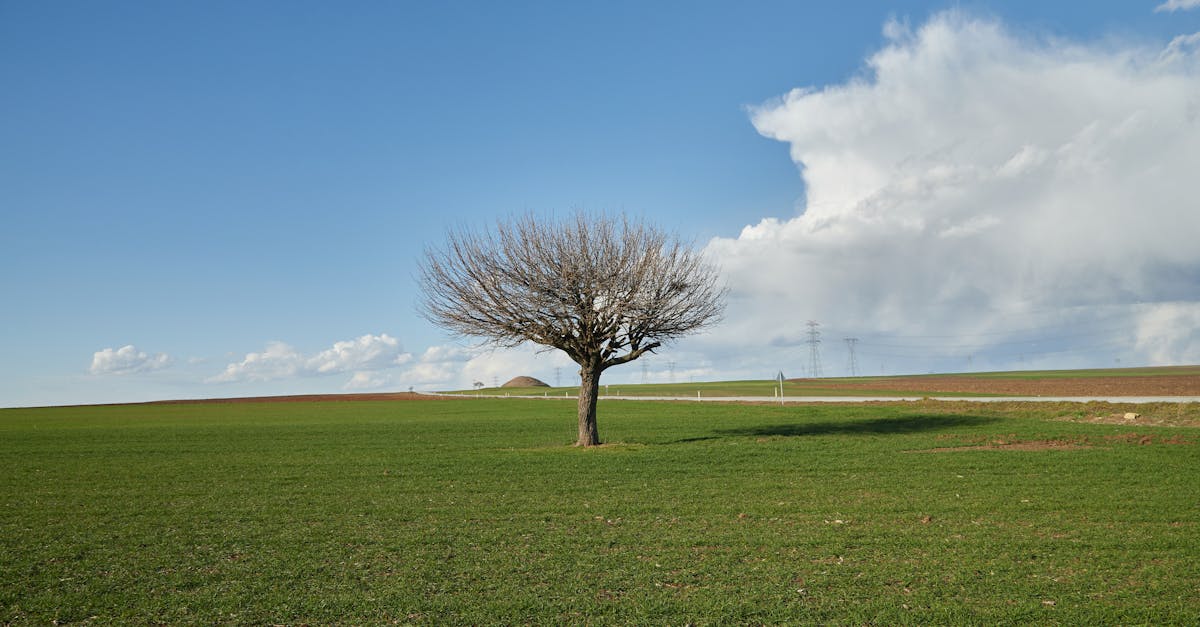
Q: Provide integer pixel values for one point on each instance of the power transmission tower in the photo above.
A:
(671, 366)
(814, 348)
(850, 343)
(557, 375)
(643, 371)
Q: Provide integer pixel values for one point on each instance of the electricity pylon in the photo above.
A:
(814, 348)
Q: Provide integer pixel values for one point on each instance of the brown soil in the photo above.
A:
(1153, 415)
(1035, 445)
(312, 398)
(1066, 444)
(1156, 385)
(1147, 385)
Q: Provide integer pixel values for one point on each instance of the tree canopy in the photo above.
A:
(605, 290)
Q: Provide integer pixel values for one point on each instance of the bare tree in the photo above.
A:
(603, 290)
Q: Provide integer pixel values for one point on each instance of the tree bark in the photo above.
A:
(589, 392)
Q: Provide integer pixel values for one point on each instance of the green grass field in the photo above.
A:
(479, 512)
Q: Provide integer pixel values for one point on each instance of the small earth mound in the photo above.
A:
(525, 382)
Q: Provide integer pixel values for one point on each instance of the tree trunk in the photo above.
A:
(589, 392)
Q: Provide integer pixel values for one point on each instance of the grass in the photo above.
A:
(478, 512)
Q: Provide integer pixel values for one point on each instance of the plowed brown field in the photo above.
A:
(312, 398)
(1151, 385)
(1176, 381)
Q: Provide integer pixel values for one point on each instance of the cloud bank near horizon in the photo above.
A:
(973, 186)
(975, 199)
(362, 355)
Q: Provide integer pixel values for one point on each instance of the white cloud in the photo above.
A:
(1170, 333)
(126, 360)
(281, 361)
(445, 353)
(368, 352)
(1171, 6)
(369, 381)
(278, 361)
(531, 360)
(431, 376)
(458, 367)
(1179, 50)
(972, 192)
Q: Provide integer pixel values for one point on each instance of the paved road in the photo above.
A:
(876, 399)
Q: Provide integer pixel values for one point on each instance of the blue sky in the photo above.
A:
(240, 191)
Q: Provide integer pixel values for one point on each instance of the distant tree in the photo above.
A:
(603, 290)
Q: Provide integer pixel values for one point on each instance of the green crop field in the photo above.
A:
(479, 512)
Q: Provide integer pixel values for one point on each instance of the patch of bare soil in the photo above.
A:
(1060, 444)
(1164, 414)
(1028, 445)
(1144, 439)
(1179, 416)
(1151, 385)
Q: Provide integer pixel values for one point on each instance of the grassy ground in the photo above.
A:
(477, 512)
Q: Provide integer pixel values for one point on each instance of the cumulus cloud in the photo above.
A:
(451, 366)
(369, 381)
(126, 360)
(976, 192)
(441, 367)
(369, 352)
(491, 367)
(277, 361)
(1170, 333)
(281, 361)
(1171, 6)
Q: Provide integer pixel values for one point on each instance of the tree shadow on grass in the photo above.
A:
(873, 426)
